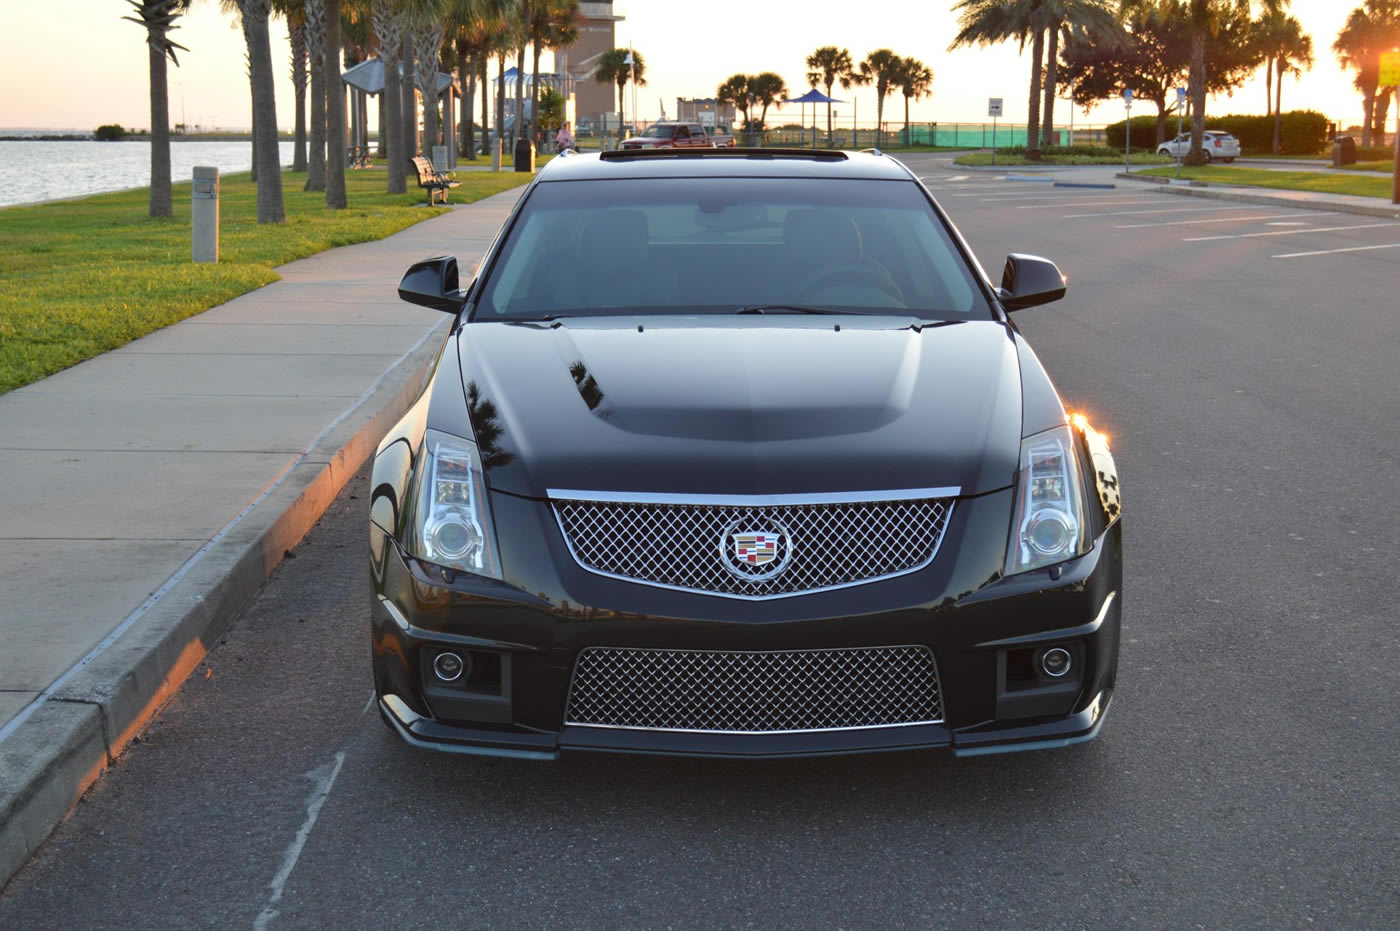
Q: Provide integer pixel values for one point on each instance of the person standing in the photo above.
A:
(564, 139)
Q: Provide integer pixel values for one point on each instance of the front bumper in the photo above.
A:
(525, 636)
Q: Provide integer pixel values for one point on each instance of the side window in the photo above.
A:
(682, 132)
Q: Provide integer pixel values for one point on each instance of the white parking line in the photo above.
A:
(1090, 203)
(1271, 216)
(1299, 255)
(1015, 195)
(1136, 213)
(1315, 229)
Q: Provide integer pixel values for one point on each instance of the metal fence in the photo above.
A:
(895, 135)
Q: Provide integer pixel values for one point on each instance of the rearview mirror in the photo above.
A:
(1028, 281)
(433, 283)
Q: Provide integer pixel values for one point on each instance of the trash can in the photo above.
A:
(1344, 152)
(525, 155)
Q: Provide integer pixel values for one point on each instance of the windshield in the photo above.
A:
(658, 132)
(716, 245)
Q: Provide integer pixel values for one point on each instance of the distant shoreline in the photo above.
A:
(143, 137)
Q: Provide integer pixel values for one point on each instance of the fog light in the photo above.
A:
(449, 667)
(1055, 662)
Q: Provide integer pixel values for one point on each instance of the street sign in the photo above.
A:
(1128, 95)
(1390, 68)
(994, 106)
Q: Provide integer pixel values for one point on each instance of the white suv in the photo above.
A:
(1217, 144)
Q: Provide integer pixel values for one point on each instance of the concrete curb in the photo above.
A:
(68, 742)
(1386, 211)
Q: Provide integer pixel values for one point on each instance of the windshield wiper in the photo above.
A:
(794, 309)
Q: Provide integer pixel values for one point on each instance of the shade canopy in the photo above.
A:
(813, 96)
(368, 76)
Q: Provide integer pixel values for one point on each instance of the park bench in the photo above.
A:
(433, 181)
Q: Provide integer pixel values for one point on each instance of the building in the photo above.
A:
(596, 34)
(705, 111)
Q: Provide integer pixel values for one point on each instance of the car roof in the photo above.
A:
(725, 163)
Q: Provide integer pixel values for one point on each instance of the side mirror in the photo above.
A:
(433, 283)
(1028, 281)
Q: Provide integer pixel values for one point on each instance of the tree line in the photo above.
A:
(1101, 48)
(415, 40)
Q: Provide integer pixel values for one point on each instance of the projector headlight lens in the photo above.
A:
(452, 522)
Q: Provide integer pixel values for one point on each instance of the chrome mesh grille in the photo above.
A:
(754, 692)
(692, 546)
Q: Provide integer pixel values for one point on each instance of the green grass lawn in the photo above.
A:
(85, 276)
(980, 159)
(1323, 182)
(1386, 165)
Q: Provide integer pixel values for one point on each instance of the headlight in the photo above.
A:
(1049, 524)
(452, 521)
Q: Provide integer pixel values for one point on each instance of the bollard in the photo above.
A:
(496, 154)
(204, 215)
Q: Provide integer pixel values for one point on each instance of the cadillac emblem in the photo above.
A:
(755, 549)
(755, 554)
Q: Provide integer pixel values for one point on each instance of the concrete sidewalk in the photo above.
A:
(1308, 200)
(151, 490)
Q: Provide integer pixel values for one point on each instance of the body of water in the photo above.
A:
(34, 171)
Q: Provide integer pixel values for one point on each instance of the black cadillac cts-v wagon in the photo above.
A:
(739, 453)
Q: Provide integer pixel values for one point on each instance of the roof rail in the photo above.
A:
(619, 155)
(872, 151)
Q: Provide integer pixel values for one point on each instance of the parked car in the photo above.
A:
(672, 135)
(1216, 144)
(740, 454)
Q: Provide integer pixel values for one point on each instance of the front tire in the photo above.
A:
(1165, 151)
(1205, 156)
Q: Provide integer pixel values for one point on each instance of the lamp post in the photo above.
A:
(1128, 130)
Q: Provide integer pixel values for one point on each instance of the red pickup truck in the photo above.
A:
(674, 135)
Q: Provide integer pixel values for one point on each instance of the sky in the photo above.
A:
(78, 77)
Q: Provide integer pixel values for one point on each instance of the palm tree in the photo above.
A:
(552, 25)
(1288, 48)
(1370, 29)
(735, 91)
(1206, 18)
(830, 64)
(1269, 24)
(314, 17)
(477, 28)
(915, 83)
(255, 15)
(1072, 18)
(388, 20)
(768, 88)
(158, 17)
(880, 68)
(430, 23)
(335, 111)
(613, 67)
(296, 37)
(989, 22)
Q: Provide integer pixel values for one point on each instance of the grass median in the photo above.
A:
(86, 276)
(1322, 182)
(1003, 160)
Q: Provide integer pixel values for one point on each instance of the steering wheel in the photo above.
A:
(859, 276)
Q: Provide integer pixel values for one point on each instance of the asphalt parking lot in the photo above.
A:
(1241, 360)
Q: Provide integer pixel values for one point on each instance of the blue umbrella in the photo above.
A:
(813, 96)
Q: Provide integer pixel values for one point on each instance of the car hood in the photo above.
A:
(754, 405)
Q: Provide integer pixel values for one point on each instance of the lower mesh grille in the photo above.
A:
(754, 692)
